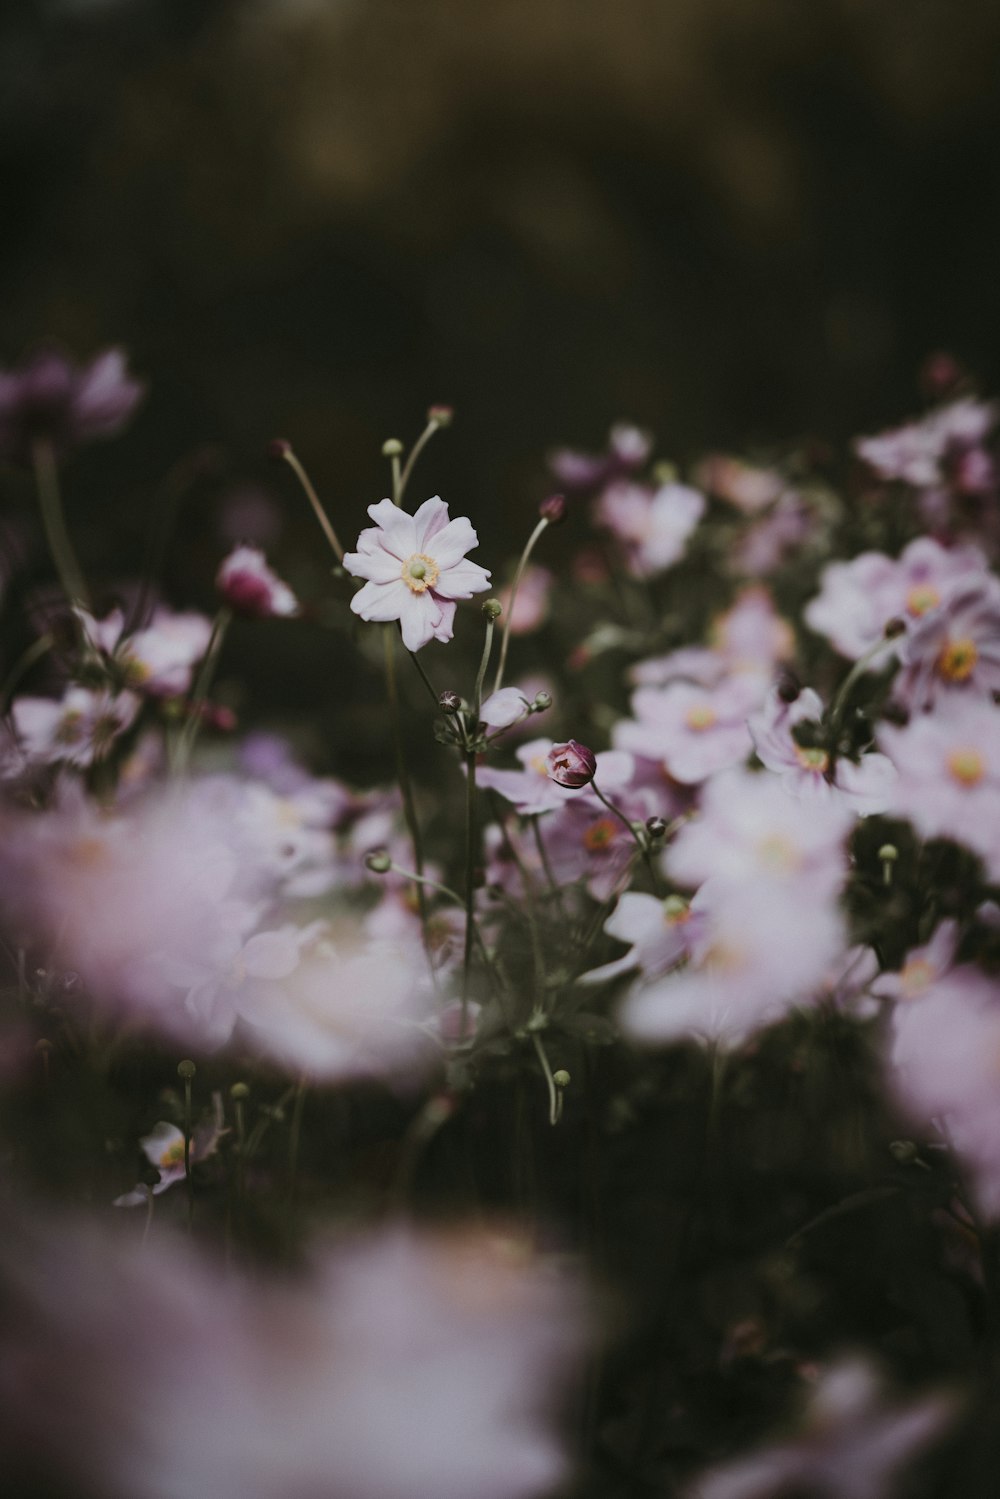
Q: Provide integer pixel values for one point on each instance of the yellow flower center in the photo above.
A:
(966, 766)
(70, 728)
(812, 759)
(915, 977)
(420, 572)
(173, 1155)
(921, 598)
(701, 717)
(599, 835)
(958, 659)
(675, 911)
(778, 853)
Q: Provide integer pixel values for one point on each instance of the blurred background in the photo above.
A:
(733, 221)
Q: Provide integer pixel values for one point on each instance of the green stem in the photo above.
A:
(425, 678)
(857, 670)
(403, 775)
(54, 521)
(189, 733)
(477, 696)
(295, 464)
(294, 1138)
(639, 841)
(555, 1095)
(401, 480)
(519, 573)
(470, 879)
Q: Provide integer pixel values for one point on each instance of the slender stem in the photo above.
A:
(294, 1137)
(555, 1096)
(150, 1205)
(189, 733)
(403, 775)
(241, 1148)
(470, 879)
(543, 854)
(477, 696)
(54, 521)
(23, 664)
(295, 464)
(187, 1151)
(857, 670)
(397, 490)
(519, 573)
(401, 480)
(424, 677)
(640, 842)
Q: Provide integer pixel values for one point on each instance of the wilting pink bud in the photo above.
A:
(553, 509)
(250, 588)
(571, 764)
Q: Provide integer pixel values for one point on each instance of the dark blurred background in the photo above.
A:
(734, 221)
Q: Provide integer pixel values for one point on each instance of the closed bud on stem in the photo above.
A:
(571, 764)
(492, 608)
(186, 1070)
(278, 449)
(789, 686)
(449, 702)
(542, 701)
(894, 628)
(378, 861)
(392, 448)
(441, 416)
(888, 854)
(239, 1092)
(561, 1078)
(553, 509)
(656, 827)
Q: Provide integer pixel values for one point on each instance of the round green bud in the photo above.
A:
(561, 1078)
(186, 1069)
(492, 608)
(392, 448)
(888, 853)
(378, 861)
(239, 1092)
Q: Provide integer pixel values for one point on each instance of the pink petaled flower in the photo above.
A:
(924, 966)
(652, 525)
(398, 1366)
(806, 770)
(749, 638)
(79, 730)
(953, 647)
(249, 587)
(628, 449)
(745, 485)
(946, 1041)
(503, 709)
(158, 659)
(531, 602)
(933, 453)
(416, 568)
(572, 764)
(749, 832)
(859, 598)
(850, 1445)
(163, 1147)
(53, 401)
(692, 731)
(949, 775)
(760, 949)
(660, 933)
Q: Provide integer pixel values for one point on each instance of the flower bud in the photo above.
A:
(492, 608)
(894, 627)
(903, 1151)
(378, 861)
(186, 1070)
(239, 1092)
(542, 701)
(449, 702)
(278, 449)
(571, 764)
(441, 416)
(392, 447)
(789, 686)
(888, 853)
(561, 1078)
(553, 509)
(656, 827)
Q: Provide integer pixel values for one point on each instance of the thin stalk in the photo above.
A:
(23, 664)
(294, 1138)
(857, 670)
(639, 841)
(470, 879)
(295, 464)
(477, 696)
(54, 521)
(189, 733)
(401, 480)
(519, 573)
(403, 775)
(555, 1094)
(425, 678)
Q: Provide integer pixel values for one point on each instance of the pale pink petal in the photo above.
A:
(372, 562)
(431, 520)
(419, 617)
(398, 531)
(462, 581)
(453, 541)
(382, 601)
(271, 955)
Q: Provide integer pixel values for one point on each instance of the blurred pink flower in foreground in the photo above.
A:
(53, 401)
(653, 526)
(849, 1446)
(806, 770)
(415, 566)
(78, 730)
(157, 659)
(692, 731)
(400, 1367)
(949, 775)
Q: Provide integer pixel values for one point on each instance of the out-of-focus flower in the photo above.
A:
(158, 659)
(946, 1039)
(628, 449)
(652, 525)
(748, 832)
(765, 546)
(163, 1147)
(924, 966)
(503, 709)
(949, 775)
(806, 769)
(51, 400)
(955, 647)
(250, 588)
(531, 602)
(850, 1445)
(416, 567)
(78, 730)
(760, 948)
(660, 934)
(692, 731)
(928, 453)
(572, 764)
(746, 485)
(400, 1367)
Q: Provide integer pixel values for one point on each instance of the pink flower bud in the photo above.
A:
(553, 509)
(571, 764)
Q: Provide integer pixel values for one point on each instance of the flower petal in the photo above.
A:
(398, 531)
(453, 541)
(382, 601)
(431, 520)
(462, 581)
